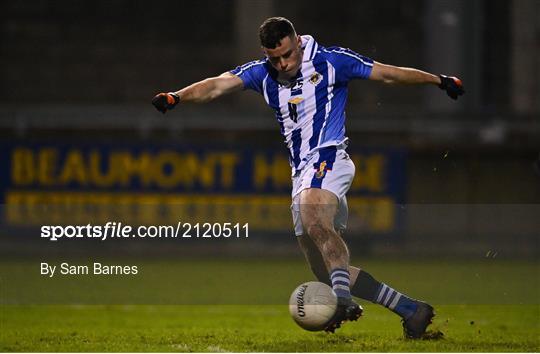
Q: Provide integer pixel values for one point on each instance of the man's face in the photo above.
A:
(286, 58)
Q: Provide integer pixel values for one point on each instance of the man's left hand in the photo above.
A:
(452, 86)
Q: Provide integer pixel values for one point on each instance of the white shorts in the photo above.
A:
(331, 169)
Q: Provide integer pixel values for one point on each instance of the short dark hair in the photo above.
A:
(273, 30)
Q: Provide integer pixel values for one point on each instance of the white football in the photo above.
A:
(312, 305)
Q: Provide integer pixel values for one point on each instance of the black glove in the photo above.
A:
(165, 101)
(452, 86)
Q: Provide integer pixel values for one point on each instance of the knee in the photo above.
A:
(319, 231)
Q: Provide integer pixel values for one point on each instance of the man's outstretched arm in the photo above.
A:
(199, 92)
(390, 74)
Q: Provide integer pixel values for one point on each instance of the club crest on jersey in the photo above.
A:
(321, 172)
(315, 78)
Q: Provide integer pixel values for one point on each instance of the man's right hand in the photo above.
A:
(165, 101)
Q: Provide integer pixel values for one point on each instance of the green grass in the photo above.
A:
(482, 306)
(241, 328)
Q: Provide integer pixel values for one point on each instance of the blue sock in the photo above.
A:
(395, 301)
(340, 282)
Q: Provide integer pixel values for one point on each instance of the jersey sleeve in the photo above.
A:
(349, 64)
(252, 74)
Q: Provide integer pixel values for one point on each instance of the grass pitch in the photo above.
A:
(482, 306)
(241, 328)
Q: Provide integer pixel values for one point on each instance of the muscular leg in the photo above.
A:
(318, 208)
(368, 288)
(316, 261)
(363, 286)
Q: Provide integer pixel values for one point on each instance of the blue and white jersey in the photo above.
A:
(311, 109)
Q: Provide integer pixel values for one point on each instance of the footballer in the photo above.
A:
(306, 85)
